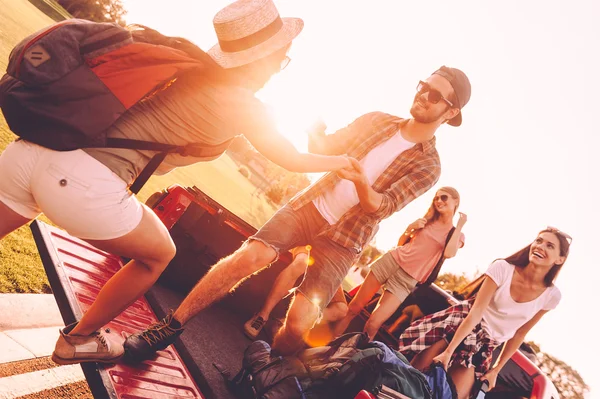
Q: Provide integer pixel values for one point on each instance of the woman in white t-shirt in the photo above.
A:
(514, 295)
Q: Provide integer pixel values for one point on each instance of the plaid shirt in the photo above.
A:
(475, 350)
(411, 174)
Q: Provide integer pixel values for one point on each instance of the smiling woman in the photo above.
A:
(516, 293)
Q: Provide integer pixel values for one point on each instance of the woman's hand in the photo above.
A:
(355, 173)
(462, 219)
(417, 224)
(443, 358)
(491, 376)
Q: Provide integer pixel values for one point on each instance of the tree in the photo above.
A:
(96, 10)
(452, 282)
(568, 382)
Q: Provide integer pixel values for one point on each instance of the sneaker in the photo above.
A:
(101, 346)
(144, 345)
(253, 326)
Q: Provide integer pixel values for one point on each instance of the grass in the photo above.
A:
(20, 267)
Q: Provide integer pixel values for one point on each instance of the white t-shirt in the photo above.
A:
(504, 316)
(333, 203)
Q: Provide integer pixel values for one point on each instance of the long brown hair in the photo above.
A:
(521, 258)
(432, 213)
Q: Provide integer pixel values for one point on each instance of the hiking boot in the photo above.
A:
(100, 346)
(144, 345)
(253, 326)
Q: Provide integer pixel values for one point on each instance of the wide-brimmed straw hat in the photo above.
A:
(249, 30)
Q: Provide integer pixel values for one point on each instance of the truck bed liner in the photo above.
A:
(76, 272)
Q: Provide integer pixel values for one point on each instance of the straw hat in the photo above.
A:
(249, 30)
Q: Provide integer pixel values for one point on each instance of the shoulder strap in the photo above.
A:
(195, 150)
(436, 270)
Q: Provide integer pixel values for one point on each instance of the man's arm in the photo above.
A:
(423, 175)
(339, 142)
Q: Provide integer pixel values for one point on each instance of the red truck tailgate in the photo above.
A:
(76, 272)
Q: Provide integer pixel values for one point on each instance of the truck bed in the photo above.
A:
(203, 232)
(77, 271)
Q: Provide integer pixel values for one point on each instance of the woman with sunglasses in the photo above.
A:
(514, 295)
(399, 270)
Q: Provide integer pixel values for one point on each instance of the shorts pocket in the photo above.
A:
(66, 179)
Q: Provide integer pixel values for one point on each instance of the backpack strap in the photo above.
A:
(436, 270)
(195, 150)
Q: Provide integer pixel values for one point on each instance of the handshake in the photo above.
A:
(348, 168)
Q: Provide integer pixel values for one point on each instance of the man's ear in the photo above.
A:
(451, 113)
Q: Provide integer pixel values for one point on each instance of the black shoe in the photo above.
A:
(144, 345)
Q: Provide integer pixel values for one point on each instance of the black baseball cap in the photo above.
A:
(462, 89)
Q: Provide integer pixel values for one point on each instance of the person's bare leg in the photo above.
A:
(423, 360)
(10, 220)
(463, 378)
(322, 332)
(387, 305)
(335, 312)
(228, 273)
(365, 293)
(151, 248)
(283, 284)
(300, 318)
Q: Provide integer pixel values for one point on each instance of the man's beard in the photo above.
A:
(424, 115)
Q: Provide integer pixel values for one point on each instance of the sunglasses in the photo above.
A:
(562, 233)
(433, 95)
(284, 63)
(443, 197)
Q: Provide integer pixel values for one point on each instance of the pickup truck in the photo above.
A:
(204, 232)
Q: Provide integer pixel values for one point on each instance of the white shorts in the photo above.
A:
(74, 190)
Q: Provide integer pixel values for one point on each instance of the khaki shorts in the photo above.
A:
(74, 190)
(392, 277)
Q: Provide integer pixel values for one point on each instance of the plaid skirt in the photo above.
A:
(474, 351)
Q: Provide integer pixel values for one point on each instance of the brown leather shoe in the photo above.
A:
(101, 346)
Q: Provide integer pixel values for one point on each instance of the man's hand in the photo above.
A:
(355, 174)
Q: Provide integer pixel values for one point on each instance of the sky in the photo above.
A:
(525, 155)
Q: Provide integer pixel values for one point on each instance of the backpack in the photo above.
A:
(66, 84)
(341, 369)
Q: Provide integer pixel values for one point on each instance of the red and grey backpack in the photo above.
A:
(68, 83)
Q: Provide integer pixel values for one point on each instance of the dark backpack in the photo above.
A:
(341, 369)
(68, 83)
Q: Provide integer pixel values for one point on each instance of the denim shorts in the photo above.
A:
(329, 262)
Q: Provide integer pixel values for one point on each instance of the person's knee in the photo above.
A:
(337, 311)
(168, 252)
(162, 255)
(249, 258)
(299, 264)
(355, 307)
(256, 252)
(301, 316)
